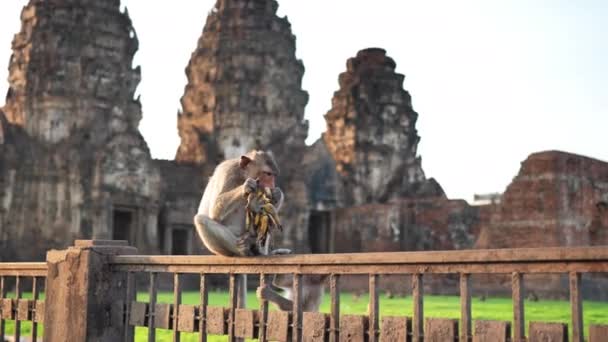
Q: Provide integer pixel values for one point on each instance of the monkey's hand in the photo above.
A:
(277, 196)
(246, 245)
(280, 251)
(250, 186)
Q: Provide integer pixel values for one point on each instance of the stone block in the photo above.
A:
(162, 315)
(245, 323)
(23, 309)
(394, 328)
(490, 331)
(440, 330)
(138, 316)
(353, 328)
(187, 318)
(216, 320)
(598, 333)
(278, 328)
(547, 332)
(314, 326)
(7, 308)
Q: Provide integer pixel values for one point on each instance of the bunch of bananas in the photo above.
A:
(261, 216)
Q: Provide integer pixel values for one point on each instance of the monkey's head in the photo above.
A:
(260, 165)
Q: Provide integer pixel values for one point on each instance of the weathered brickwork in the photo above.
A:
(557, 199)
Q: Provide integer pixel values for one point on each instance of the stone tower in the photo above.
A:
(84, 171)
(371, 133)
(244, 92)
(244, 85)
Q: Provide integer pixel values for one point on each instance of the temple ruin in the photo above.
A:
(73, 163)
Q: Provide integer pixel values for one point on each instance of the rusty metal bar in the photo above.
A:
(517, 286)
(202, 311)
(554, 267)
(24, 269)
(17, 334)
(465, 308)
(418, 302)
(151, 308)
(35, 296)
(516, 255)
(263, 311)
(373, 308)
(2, 295)
(129, 330)
(576, 303)
(334, 324)
(177, 300)
(297, 308)
(234, 295)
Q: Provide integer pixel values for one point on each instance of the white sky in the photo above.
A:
(492, 81)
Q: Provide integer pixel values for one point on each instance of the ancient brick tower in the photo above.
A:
(371, 133)
(81, 169)
(244, 92)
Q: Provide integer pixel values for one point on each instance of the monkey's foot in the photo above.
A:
(266, 293)
(280, 251)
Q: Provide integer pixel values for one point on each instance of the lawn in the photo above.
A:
(434, 306)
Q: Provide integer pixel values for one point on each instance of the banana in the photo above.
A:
(265, 219)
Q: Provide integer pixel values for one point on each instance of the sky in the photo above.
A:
(492, 80)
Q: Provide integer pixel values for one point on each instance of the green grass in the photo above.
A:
(434, 306)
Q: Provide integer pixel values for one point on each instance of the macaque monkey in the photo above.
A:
(313, 289)
(220, 221)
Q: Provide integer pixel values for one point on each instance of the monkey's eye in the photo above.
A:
(269, 174)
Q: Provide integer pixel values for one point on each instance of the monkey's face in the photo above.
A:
(260, 166)
(266, 177)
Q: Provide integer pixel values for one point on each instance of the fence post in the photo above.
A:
(84, 299)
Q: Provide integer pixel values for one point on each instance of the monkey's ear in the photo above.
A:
(244, 162)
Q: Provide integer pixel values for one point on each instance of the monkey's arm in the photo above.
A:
(227, 202)
(277, 198)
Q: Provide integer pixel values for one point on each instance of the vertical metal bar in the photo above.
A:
(177, 300)
(465, 307)
(334, 283)
(2, 295)
(151, 309)
(17, 334)
(35, 296)
(202, 311)
(373, 308)
(263, 311)
(129, 330)
(418, 300)
(233, 303)
(517, 285)
(297, 308)
(576, 303)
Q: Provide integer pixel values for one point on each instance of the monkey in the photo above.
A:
(313, 290)
(220, 221)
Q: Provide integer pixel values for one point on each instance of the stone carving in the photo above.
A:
(371, 133)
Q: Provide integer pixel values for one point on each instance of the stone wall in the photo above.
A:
(83, 169)
(557, 199)
(409, 224)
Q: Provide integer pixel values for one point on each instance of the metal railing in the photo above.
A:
(17, 308)
(297, 325)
